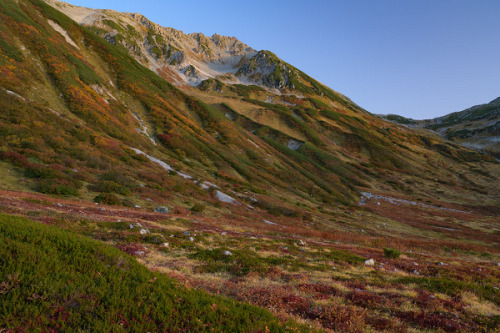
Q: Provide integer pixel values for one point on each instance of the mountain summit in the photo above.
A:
(188, 58)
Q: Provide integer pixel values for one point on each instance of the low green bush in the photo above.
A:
(391, 253)
(198, 207)
(107, 199)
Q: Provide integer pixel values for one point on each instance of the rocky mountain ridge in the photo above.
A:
(191, 58)
(184, 58)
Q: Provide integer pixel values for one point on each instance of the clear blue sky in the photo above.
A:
(417, 58)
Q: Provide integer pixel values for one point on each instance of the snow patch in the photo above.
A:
(366, 196)
(206, 185)
(296, 115)
(16, 95)
(63, 32)
(144, 129)
(449, 229)
(161, 163)
(256, 146)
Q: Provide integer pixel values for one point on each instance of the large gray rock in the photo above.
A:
(369, 262)
(162, 209)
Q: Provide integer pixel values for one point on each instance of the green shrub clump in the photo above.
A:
(198, 207)
(391, 253)
(107, 199)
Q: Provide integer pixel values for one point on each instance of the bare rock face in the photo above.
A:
(268, 70)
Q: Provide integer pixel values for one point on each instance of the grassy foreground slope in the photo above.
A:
(53, 279)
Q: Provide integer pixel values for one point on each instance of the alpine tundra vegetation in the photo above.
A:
(152, 180)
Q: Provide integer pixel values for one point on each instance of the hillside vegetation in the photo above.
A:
(241, 176)
(53, 279)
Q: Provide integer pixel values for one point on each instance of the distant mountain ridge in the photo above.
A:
(477, 127)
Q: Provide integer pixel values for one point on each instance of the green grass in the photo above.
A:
(391, 253)
(237, 263)
(453, 287)
(54, 280)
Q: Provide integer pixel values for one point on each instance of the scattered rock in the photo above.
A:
(191, 239)
(223, 233)
(369, 262)
(59, 205)
(416, 272)
(166, 244)
(224, 197)
(187, 233)
(302, 243)
(227, 253)
(440, 263)
(139, 253)
(131, 226)
(162, 209)
(143, 231)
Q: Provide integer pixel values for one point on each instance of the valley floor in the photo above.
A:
(434, 268)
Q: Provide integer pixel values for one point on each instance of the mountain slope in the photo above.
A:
(477, 127)
(98, 103)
